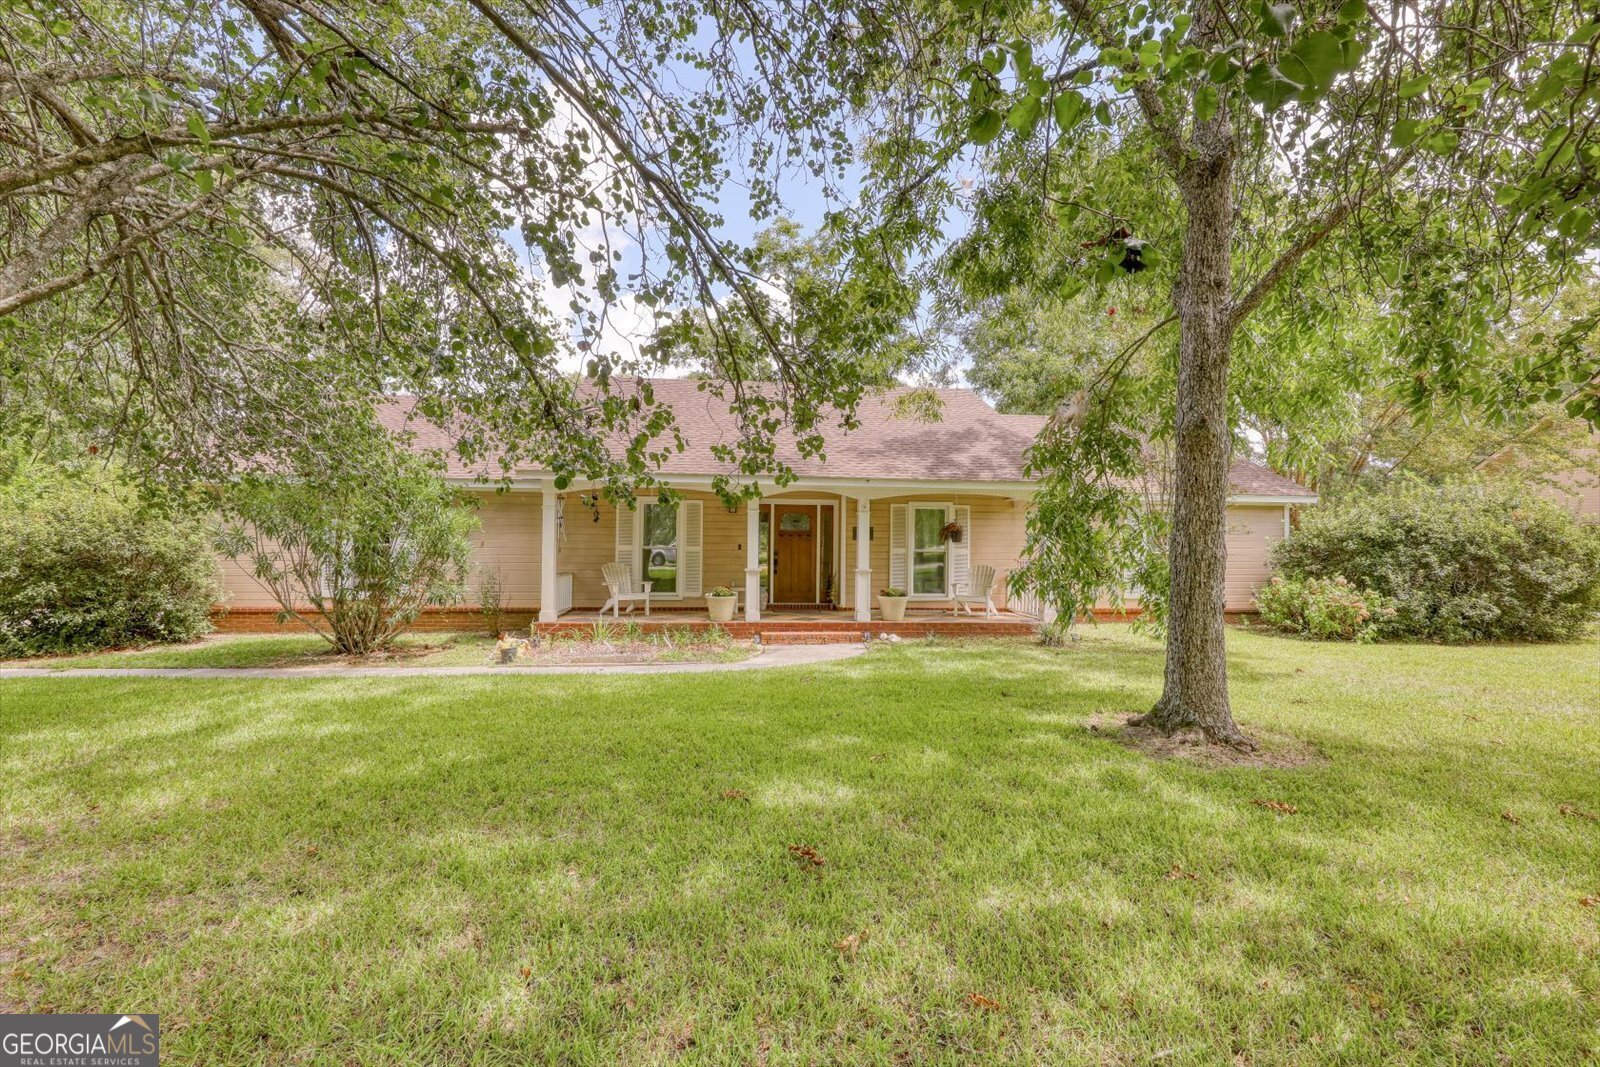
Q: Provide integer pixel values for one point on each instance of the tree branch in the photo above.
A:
(1330, 220)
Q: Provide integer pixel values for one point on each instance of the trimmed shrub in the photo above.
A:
(85, 565)
(1456, 563)
(357, 553)
(1329, 609)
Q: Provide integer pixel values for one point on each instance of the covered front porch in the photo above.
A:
(810, 555)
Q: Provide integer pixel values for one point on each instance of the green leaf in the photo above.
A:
(1070, 108)
(1267, 86)
(1411, 88)
(1321, 56)
(1276, 19)
(1405, 132)
(1206, 102)
(196, 124)
(206, 180)
(1222, 68)
(1442, 142)
(1352, 11)
(984, 127)
(1024, 115)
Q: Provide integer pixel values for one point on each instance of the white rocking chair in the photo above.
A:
(619, 583)
(976, 591)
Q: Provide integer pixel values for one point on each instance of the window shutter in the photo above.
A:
(961, 551)
(627, 549)
(897, 546)
(689, 554)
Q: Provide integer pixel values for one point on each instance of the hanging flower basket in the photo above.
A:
(951, 531)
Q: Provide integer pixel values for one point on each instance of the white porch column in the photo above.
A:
(752, 560)
(863, 559)
(548, 593)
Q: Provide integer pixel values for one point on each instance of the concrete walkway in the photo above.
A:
(776, 656)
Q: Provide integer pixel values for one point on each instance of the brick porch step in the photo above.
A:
(810, 637)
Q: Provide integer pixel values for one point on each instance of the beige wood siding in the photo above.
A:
(1252, 531)
(239, 586)
(507, 541)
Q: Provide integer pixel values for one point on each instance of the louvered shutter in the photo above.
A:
(961, 551)
(897, 546)
(627, 548)
(690, 521)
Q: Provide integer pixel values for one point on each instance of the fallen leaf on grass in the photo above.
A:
(1511, 817)
(978, 1000)
(1577, 813)
(527, 972)
(1588, 902)
(735, 794)
(312, 850)
(808, 855)
(1278, 806)
(851, 944)
(1177, 873)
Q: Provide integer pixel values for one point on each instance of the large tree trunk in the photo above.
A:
(1196, 690)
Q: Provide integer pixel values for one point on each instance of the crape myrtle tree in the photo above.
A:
(1264, 163)
(229, 224)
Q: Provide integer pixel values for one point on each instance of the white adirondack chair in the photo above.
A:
(619, 583)
(976, 591)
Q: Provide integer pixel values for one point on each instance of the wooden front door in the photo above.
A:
(794, 550)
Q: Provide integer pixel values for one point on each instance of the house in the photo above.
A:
(866, 517)
(1560, 458)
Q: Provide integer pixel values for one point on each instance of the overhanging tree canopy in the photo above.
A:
(228, 225)
(1248, 159)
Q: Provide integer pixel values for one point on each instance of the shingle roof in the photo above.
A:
(968, 441)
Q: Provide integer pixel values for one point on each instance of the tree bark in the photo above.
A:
(1196, 684)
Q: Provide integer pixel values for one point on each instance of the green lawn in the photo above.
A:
(415, 650)
(596, 869)
(289, 650)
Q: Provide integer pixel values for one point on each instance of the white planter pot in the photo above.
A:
(721, 607)
(892, 608)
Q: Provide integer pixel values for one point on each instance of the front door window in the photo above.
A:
(929, 554)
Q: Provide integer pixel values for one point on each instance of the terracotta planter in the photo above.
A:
(892, 608)
(721, 607)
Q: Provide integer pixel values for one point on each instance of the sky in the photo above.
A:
(804, 200)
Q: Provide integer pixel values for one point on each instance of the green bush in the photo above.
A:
(84, 565)
(1329, 609)
(1462, 562)
(355, 553)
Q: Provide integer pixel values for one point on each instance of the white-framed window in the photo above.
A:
(929, 561)
(658, 546)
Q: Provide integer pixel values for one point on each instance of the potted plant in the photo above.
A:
(720, 602)
(951, 532)
(892, 604)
